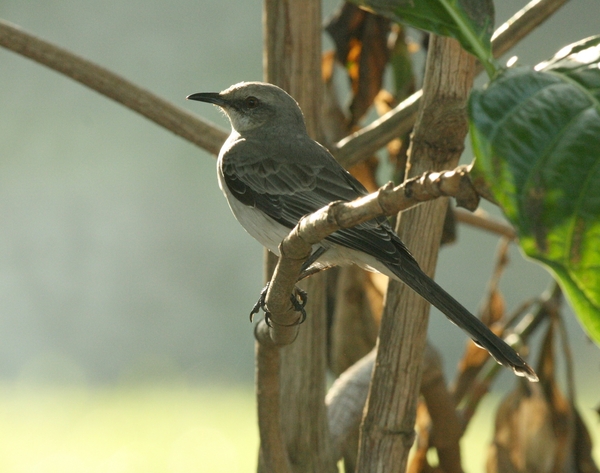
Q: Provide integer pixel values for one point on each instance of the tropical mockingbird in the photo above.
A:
(272, 174)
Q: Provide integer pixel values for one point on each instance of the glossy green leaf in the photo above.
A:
(471, 22)
(536, 136)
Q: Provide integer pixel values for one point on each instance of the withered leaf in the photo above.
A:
(361, 40)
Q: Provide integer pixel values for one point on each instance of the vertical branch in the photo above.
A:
(292, 54)
(273, 454)
(292, 60)
(438, 139)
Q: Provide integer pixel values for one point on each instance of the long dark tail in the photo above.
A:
(423, 285)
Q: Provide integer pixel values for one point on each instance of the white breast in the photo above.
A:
(262, 228)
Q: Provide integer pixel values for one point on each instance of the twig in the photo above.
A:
(522, 23)
(400, 120)
(446, 425)
(179, 121)
(366, 141)
(480, 219)
(490, 312)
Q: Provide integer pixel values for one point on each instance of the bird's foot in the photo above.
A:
(298, 300)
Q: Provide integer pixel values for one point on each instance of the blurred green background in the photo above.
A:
(125, 283)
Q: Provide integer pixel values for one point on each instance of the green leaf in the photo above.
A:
(469, 21)
(536, 135)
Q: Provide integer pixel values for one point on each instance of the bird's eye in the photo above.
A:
(252, 102)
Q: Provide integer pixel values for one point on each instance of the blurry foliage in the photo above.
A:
(536, 135)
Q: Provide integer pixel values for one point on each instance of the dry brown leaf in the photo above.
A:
(418, 461)
(376, 287)
(361, 40)
(537, 428)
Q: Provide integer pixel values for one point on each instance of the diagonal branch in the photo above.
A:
(480, 219)
(163, 113)
(400, 120)
(348, 151)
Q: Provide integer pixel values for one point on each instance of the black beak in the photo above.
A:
(210, 97)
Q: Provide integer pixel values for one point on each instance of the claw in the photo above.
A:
(260, 304)
(300, 304)
(297, 304)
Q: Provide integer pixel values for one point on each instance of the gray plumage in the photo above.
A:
(272, 174)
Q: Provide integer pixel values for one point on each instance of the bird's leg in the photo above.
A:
(298, 305)
(313, 270)
(306, 270)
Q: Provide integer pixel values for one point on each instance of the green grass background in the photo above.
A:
(142, 429)
(151, 428)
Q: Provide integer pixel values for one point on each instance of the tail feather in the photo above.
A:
(423, 285)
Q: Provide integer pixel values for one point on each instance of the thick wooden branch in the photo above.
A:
(313, 228)
(387, 431)
(292, 60)
(400, 120)
(163, 113)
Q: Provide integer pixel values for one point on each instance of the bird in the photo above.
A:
(273, 173)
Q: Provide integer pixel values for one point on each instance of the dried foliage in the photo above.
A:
(538, 427)
(361, 40)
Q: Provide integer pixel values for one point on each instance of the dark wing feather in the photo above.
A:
(307, 180)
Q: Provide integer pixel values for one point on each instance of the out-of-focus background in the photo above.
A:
(125, 283)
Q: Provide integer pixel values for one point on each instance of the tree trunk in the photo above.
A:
(292, 60)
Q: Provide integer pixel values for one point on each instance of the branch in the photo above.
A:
(400, 120)
(522, 23)
(163, 113)
(292, 60)
(366, 141)
(273, 451)
(387, 431)
(480, 219)
(446, 428)
(313, 228)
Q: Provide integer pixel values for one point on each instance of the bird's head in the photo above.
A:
(256, 105)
